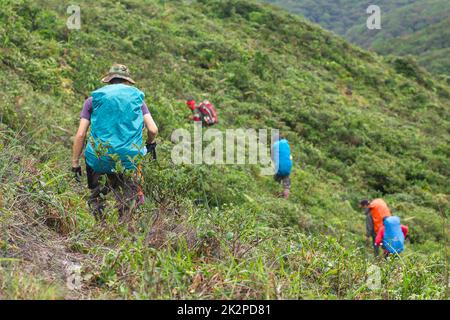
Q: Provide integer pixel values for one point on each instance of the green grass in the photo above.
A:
(219, 232)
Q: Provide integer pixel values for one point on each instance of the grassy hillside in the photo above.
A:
(409, 27)
(218, 232)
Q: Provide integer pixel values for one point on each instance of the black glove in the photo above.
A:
(151, 149)
(77, 173)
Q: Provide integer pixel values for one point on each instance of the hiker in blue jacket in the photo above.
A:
(392, 236)
(117, 115)
(282, 158)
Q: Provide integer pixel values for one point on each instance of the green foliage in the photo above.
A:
(360, 126)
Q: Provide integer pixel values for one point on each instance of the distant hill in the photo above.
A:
(415, 27)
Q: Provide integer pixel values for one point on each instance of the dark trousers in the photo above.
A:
(285, 180)
(376, 248)
(124, 188)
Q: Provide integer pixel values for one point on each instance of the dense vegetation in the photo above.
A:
(360, 125)
(409, 27)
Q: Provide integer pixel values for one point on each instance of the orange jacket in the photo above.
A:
(379, 210)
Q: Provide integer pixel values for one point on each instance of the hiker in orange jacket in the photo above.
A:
(375, 211)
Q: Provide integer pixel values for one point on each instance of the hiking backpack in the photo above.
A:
(281, 152)
(116, 128)
(208, 113)
(379, 210)
(393, 240)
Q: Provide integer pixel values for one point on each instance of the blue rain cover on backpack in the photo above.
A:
(394, 239)
(116, 127)
(282, 158)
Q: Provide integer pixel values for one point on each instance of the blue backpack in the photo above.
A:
(116, 128)
(282, 158)
(394, 239)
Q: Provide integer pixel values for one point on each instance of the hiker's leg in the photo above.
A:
(125, 189)
(278, 179)
(131, 192)
(96, 201)
(286, 186)
(376, 248)
(115, 182)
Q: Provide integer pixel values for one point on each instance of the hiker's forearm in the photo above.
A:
(78, 142)
(77, 149)
(152, 129)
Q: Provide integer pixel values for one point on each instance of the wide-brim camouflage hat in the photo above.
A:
(118, 71)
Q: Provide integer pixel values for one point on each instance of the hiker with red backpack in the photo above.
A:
(116, 115)
(205, 112)
(391, 236)
(375, 211)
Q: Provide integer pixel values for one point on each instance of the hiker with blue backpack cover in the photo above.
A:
(282, 158)
(392, 236)
(116, 115)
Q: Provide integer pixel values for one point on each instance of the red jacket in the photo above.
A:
(196, 115)
(380, 235)
(191, 104)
